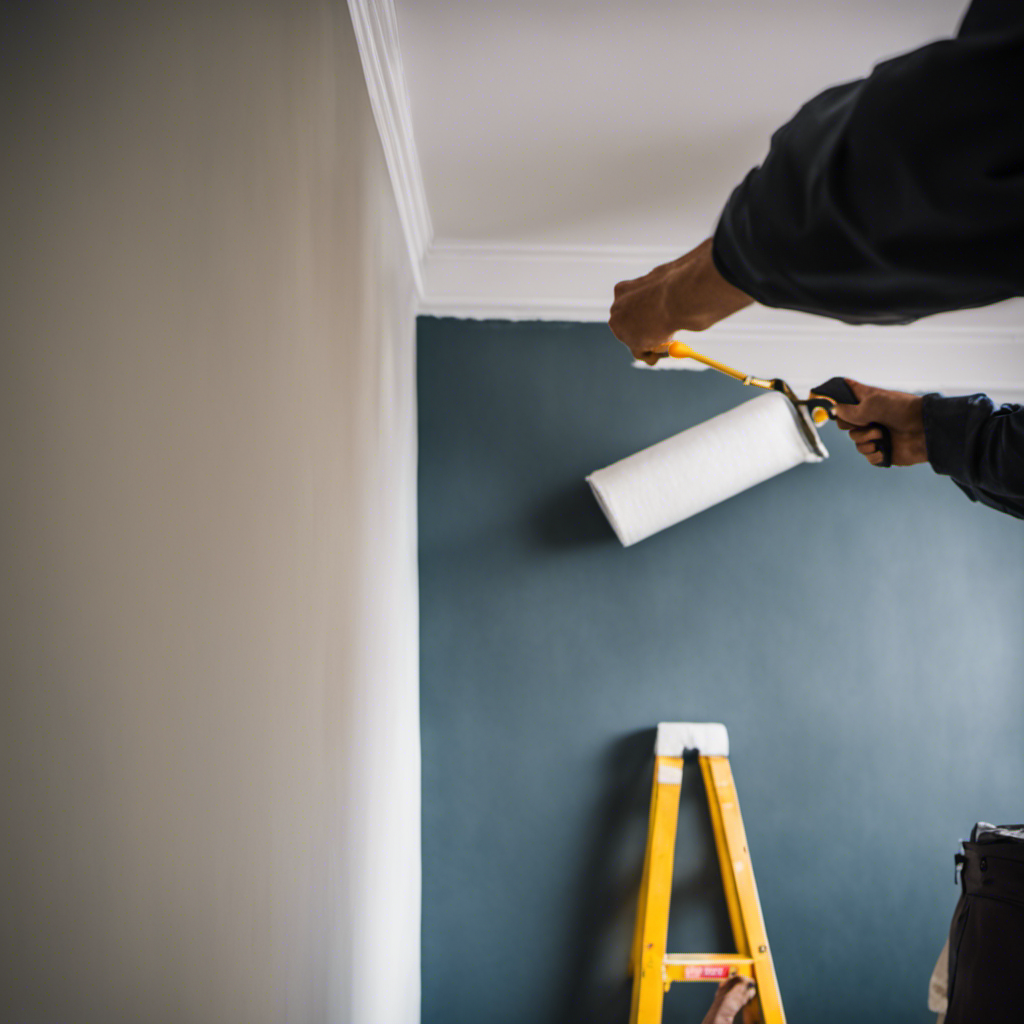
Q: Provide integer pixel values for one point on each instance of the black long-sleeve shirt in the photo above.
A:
(980, 447)
(897, 196)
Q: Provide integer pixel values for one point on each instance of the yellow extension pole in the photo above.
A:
(680, 350)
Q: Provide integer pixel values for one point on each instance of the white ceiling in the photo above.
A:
(622, 123)
(542, 150)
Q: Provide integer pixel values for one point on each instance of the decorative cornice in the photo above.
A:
(376, 31)
(529, 282)
(975, 350)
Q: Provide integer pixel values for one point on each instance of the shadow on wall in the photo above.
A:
(597, 986)
(573, 517)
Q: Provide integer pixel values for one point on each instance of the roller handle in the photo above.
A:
(839, 391)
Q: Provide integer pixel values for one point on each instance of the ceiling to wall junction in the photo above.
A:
(545, 149)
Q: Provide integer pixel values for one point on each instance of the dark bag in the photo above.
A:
(986, 938)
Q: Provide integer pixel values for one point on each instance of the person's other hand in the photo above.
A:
(732, 995)
(899, 411)
(687, 294)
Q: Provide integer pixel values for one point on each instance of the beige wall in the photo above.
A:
(211, 647)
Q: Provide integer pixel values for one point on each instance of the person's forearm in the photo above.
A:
(892, 197)
(979, 447)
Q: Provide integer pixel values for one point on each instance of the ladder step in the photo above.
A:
(705, 966)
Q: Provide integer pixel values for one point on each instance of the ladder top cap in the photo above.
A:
(709, 739)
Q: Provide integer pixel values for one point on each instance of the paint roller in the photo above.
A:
(700, 467)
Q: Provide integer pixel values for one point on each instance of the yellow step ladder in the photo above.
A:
(653, 969)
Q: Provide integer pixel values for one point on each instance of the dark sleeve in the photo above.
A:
(980, 447)
(895, 196)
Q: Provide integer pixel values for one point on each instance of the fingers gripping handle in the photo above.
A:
(839, 391)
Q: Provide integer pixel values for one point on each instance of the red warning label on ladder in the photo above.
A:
(706, 972)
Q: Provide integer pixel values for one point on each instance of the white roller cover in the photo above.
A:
(685, 474)
(708, 738)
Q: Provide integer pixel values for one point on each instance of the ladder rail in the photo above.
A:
(734, 839)
(652, 915)
(732, 899)
(641, 903)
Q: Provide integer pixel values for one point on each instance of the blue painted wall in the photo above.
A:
(858, 630)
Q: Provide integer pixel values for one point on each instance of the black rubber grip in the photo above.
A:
(838, 390)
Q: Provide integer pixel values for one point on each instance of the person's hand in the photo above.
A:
(733, 994)
(687, 294)
(899, 411)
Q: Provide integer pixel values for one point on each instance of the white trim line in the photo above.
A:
(450, 248)
(550, 282)
(956, 353)
(473, 307)
(376, 31)
(516, 282)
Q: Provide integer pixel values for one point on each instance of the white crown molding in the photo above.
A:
(965, 352)
(529, 282)
(376, 31)
(479, 280)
